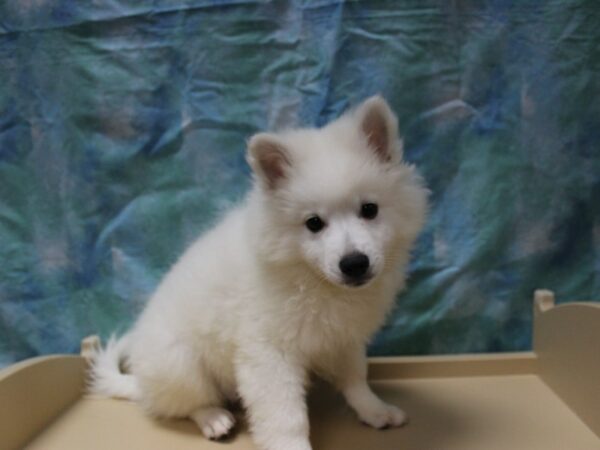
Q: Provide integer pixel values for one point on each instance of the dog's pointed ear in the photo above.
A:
(269, 159)
(380, 126)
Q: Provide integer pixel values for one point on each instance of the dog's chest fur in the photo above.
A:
(316, 324)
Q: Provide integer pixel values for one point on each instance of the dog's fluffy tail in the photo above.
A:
(106, 376)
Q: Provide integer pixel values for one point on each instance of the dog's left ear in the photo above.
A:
(380, 126)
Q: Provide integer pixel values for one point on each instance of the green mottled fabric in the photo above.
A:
(123, 125)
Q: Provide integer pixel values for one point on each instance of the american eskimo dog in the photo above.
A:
(293, 281)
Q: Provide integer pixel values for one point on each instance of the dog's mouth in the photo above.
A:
(354, 282)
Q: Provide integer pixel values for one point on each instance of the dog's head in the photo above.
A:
(338, 199)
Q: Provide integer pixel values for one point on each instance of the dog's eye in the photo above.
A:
(369, 210)
(314, 224)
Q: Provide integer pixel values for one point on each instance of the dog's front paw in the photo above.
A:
(384, 416)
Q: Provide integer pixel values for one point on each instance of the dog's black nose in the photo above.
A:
(354, 265)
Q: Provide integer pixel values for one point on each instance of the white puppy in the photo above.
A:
(293, 281)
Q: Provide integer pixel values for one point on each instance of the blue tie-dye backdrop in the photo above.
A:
(122, 131)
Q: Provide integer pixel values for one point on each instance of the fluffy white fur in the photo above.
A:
(259, 302)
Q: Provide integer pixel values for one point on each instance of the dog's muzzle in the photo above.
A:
(355, 268)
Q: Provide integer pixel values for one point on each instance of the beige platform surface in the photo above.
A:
(462, 413)
(547, 399)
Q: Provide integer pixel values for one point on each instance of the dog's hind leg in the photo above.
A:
(178, 385)
(214, 422)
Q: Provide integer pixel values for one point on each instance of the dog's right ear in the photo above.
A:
(269, 159)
